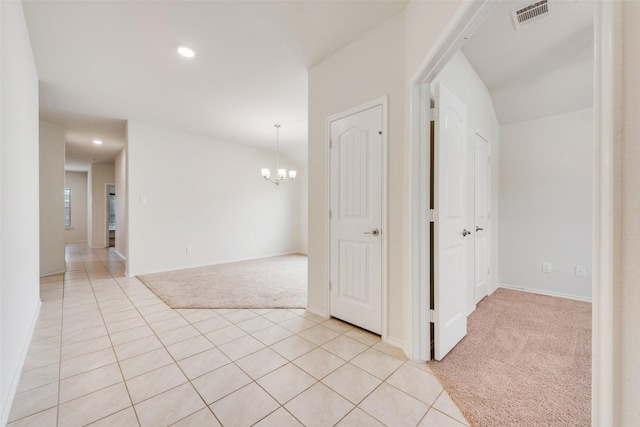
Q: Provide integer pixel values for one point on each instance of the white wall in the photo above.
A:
(99, 176)
(77, 182)
(568, 81)
(205, 194)
(121, 203)
(303, 212)
(367, 69)
(462, 80)
(19, 210)
(627, 289)
(546, 181)
(51, 191)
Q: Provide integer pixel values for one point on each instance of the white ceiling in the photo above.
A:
(544, 68)
(101, 63)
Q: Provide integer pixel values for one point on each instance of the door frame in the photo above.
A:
(605, 205)
(105, 227)
(107, 211)
(382, 101)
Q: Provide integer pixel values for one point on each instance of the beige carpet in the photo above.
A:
(276, 282)
(526, 361)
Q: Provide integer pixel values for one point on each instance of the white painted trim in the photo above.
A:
(53, 273)
(383, 102)
(462, 26)
(317, 312)
(607, 66)
(421, 235)
(471, 309)
(15, 380)
(119, 255)
(547, 293)
(395, 342)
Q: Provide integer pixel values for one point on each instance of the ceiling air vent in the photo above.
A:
(531, 13)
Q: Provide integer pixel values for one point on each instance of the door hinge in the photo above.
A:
(330, 285)
(432, 114)
(330, 214)
(432, 316)
(488, 160)
(330, 143)
(432, 215)
(488, 271)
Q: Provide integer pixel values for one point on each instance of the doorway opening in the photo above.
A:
(467, 23)
(111, 215)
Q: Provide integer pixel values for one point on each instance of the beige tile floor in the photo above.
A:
(107, 352)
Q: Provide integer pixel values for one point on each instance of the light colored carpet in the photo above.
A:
(526, 361)
(276, 282)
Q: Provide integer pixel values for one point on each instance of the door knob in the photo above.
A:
(465, 232)
(375, 232)
(478, 228)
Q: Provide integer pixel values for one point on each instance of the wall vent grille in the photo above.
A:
(531, 13)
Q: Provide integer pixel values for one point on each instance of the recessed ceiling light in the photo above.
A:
(185, 51)
(97, 141)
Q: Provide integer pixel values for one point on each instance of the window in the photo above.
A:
(67, 207)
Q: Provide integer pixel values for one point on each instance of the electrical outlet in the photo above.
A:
(546, 267)
(188, 250)
(581, 271)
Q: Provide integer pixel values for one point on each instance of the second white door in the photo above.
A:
(356, 234)
(482, 218)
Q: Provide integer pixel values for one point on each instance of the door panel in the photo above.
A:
(450, 204)
(482, 230)
(356, 210)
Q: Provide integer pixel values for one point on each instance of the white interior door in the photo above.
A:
(450, 234)
(356, 219)
(482, 197)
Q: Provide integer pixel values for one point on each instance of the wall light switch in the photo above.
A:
(546, 267)
(188, 250)
(581, 271)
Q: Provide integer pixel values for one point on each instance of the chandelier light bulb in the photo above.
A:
(281, 173)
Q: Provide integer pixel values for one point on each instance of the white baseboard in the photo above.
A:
(15, 380)
(318, 312)
(396, 343)
(471, 310)
(119, 255)
(53, 273)
(548, 293)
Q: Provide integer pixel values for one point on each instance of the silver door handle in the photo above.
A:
(375, 232)
(478, 228)
(465, 232)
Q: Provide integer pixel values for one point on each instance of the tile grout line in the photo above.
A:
(113, 347)
(109, 337)
(114, 292)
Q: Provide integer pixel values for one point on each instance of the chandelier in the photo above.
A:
(281, 174)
